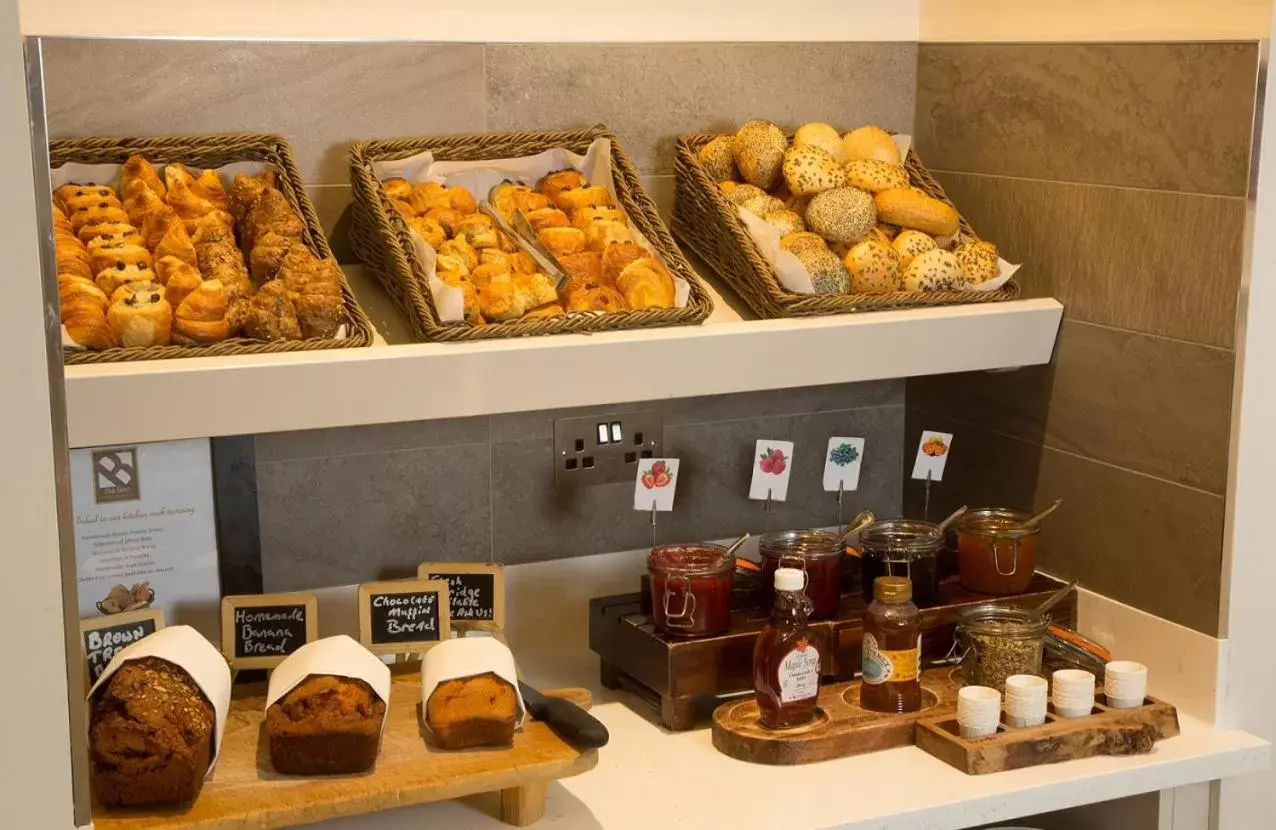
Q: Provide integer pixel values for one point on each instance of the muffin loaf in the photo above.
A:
(473, 711)
(326, 725)
(150, 736)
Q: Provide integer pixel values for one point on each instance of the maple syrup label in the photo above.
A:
(800, 673)
(885, 666)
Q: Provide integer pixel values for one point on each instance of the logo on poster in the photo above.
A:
(115, 475)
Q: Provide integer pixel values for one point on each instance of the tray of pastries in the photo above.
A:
(189, 247)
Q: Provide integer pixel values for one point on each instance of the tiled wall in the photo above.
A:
(340, 506)
(1118, 174)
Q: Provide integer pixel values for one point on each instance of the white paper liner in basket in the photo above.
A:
(185, 647)
(341, 656)
(468, 657)
(793, 275)
(109, 174)
(479, 177)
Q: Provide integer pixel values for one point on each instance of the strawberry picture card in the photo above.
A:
(772, 466)
(655, 484)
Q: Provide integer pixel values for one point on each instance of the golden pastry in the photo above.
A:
(268, 252)
(591, 296)
(618, 257)
(314, 286)
(462, 249)
(562, 241)
(110, 279)
(270, 213)
(446, 217)
(271, 315)
(913, 209)
(71, 255)
(646, 284)
(500, 300)
(555, 184)
(509, 197)
(319, 315)
(72, 292)
(178, 278)
(119, 254)
(404, 209)
(583, 197)
(141, 316)
(188, 199)
(101, 213)
(245, 189)
(478, 231)
(427, 196)
(118, 231)
(452, 262)
(537, 290)
(125, 235)
(431, 231)
(495, 256)
(469, 294)
(586, 266)
(483, 274)
(72, 197)
(548, 218)
(86, 325)
(601, 235)
(461, 200)
(397, 188)
(200, 315)
(219, 258)
(587, 216)
(208, 185)
(551, 310)
(521, 263)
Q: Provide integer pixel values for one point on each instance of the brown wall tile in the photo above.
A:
(1137, 539)
(1146, 403)
(1173, 116)
(1144, 260)
(650, 93)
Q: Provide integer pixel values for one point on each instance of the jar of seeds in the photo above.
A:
(996, 642)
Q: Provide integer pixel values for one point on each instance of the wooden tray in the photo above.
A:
(1106, 732)
(841, 727)
(670, 672)
(246, 792)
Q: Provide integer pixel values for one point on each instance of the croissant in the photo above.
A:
(319, 315)
(138, 169)
(244, 191)
(208, 185)
(267, 255)
(270, 314)
(176, 242)
(142, 317)
(141, 202)
(60, 222)
(218, 257)
(72, 292)
(71, 255)
(178, 279)
(201, 314)
(315, 287)
(86, 325)
(270, 212)
(646, 284)
(189, 205)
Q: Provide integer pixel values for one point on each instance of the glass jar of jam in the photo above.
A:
(996, 554)
(818, 553)
(902, 547)
(996, 642)
(691, 588)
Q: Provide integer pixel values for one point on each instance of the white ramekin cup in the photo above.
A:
(1025, 700)
(1073, 693)
(978, 711)
(1125, 684)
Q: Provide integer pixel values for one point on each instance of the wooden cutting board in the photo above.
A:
(246, 792)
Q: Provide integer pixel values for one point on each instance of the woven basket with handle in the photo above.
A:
(205, 151)
(382, 239)
(708, 224)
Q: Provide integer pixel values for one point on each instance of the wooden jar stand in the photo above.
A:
(246, 792)
(670, 673)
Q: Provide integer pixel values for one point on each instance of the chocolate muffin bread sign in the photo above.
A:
(476, 592)
(403, 616)
(260, 630)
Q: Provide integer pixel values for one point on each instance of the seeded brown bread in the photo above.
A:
(326, 725)
(472, 711)
(150, 736)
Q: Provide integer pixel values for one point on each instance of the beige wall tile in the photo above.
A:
(1145, 260)
(650, 93)
(1146, 403)
(321, 96)
(1173, 116)
(1140, 540)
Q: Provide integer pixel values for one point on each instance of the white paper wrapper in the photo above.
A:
(794, 276)
(109, 174)
(467, 657)
(340, 656)
(186, 647)
(479, 177)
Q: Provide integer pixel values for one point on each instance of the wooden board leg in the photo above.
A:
(608, 674)
(678, 714)
(521, 806)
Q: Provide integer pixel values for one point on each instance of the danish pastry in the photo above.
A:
(591, 296)
(119, 254)
(618, 257)
(562, 241)
(553, 185)
(586, 266)
(112, 278)
(646, 284)
(582, 197)
(141, 316)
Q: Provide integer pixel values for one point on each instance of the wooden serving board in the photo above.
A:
(841, 727)
(1106, 732)
(246, 792)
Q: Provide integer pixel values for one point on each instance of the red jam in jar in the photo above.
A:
(818, 553)
(691, 589)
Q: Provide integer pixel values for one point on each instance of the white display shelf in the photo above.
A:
(391, 382)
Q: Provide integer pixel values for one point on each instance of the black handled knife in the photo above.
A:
(572, 723)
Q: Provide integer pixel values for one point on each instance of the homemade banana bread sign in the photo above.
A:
(476, 592)
(260, 630)
(403, 616)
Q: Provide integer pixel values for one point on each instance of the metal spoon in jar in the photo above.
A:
(1055, 598)
(952, 517)
(1036, 519)
(735, 546)
(863, 520)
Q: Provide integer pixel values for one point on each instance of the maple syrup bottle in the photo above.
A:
(892, 649)
(786, 657)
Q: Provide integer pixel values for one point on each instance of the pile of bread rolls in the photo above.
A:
(578, 224)
(845, 207)
(162, 266)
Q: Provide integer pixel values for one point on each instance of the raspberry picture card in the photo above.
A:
(772, 467)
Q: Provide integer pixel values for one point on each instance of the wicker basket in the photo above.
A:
(708, 224)
(381, 237)
(216, 151)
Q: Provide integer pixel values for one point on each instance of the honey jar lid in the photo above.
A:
(893, 589)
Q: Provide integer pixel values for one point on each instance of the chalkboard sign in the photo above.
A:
(102, 637)
(260, 630)
(476, 592)
(403, 616)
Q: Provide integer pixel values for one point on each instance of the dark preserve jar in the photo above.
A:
(818, 553)
(691, 588)
(996, 552)
(902, 547)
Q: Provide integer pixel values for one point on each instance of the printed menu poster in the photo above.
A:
(145, 532)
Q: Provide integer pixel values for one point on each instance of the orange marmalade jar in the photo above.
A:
(996, 554)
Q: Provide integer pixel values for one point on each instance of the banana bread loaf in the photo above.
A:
(472, 711)
(326, 725)
(150, 736)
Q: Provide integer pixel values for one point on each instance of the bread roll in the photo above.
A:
(823, 136)
(936, 270)
(809, 170)
(914, 209)
(802, 240)
(718, 160)
(738, 194)
(871, 142)
(760, 206)
(828, 274)
(843, 214)
(873, 175)
(874, 267)
(758, 149)
(785, 221)
(910, 244)
(978, 261)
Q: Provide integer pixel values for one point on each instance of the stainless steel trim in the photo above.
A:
(75, 679)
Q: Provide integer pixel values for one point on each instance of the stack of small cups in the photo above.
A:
(1026, 700)
(1073, 693)
(1125, 684)
(978, 711)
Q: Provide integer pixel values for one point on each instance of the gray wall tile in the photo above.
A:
(1144, 260)
(1145, 403)
(650, 93)
(1172, 116)
(660, 189)
(344, 519)
(380, 438)
(1140, 540)
(320, 96)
